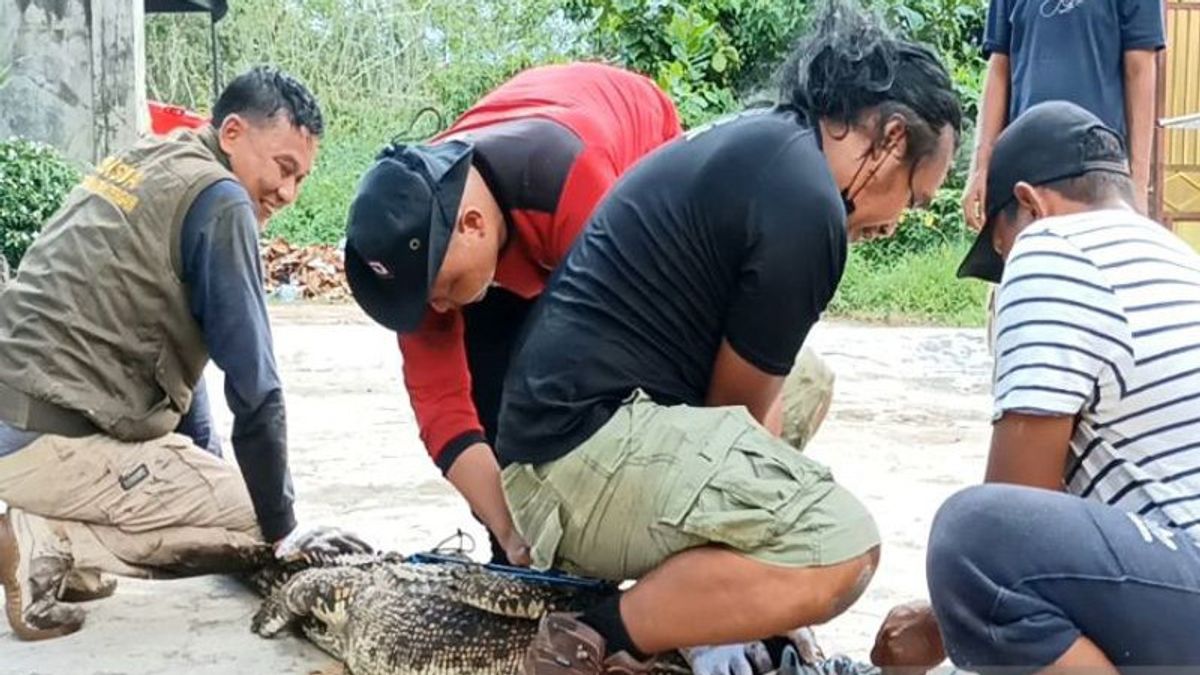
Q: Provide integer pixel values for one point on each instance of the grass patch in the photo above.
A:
(912, 288)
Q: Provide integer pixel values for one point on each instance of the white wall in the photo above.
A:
(72, 74)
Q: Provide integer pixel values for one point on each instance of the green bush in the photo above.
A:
(34, 179)
(706, 54)
(954, 29)
(712, 55)
(922, 231)
(916, 287)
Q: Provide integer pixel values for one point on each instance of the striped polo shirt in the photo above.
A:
(1098, 316)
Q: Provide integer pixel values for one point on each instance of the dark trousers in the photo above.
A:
(493, 327)
(1016, 575)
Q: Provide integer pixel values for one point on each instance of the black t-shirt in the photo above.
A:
(736, 231)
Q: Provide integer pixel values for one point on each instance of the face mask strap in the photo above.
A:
(847, 195)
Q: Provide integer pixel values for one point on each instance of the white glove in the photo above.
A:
(737, 659)
(805, 642)
(319, 539)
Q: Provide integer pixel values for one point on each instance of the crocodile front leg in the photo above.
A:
(321, 598)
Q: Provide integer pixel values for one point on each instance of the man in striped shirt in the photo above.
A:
(1089, 557)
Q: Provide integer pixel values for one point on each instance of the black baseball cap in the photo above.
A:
(399, 228)
(1046, 143)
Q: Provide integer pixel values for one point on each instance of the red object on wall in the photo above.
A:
(165, 118)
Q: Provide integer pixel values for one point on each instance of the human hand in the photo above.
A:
(736, 659)
(974, 199)
(515, 548)
(321, 540)
(909, 640)
(805, 642)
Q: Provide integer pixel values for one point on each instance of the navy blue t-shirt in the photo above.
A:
(223, 273)
(1072, 50)
(735, 232)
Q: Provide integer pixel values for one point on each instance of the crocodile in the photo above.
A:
(385, 614)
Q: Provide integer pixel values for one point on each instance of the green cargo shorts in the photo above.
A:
(657, 480)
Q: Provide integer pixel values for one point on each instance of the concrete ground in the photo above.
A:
(909, 426)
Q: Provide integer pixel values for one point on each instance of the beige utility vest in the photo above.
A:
(96, 321)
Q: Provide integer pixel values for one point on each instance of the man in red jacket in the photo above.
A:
(472, 224)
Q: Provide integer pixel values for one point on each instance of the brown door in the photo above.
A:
(1177, 151)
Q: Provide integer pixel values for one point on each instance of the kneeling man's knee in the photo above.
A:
(975, 537)
(857, 576)
(964, 540)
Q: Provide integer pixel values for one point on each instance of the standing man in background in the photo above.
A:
(1097, 54)
(472, 224)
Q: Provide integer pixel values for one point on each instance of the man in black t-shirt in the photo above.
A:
(631, 425)
(662, 276)
(633, 418)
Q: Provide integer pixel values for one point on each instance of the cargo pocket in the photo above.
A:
(692, 501)
(133, 505)
(535, 513)
(754, 492)
(730, 513)
(206, 491)
(156, 488)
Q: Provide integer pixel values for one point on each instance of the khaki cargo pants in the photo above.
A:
(159, 508)
(657, 480)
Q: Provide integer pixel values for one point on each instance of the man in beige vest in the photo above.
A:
(149, 269)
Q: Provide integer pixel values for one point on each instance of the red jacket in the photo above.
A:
(613, 117)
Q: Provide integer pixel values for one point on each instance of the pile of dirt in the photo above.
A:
(304, 272)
